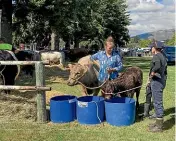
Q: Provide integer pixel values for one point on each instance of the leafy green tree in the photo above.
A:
(116, 20)
(6, 20)
(71, 20)
(172, 41)
(144, 43)
(136, 39)
(31, 20)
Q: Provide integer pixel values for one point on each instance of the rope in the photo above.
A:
(97, 111)
(92, 88)
(18, 66)
(3, 78)
(122, 91)
(83, 73)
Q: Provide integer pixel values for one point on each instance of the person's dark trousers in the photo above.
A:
(157, 94)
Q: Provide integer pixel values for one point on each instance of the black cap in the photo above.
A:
(157, 44)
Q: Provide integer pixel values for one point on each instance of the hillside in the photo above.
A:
(158, 35)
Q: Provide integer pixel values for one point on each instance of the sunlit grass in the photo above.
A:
(21, 131)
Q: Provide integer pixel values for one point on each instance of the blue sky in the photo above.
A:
(151, 15)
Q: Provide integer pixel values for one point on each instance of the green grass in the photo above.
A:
(27, 131)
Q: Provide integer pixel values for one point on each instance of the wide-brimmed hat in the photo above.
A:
(157, 44)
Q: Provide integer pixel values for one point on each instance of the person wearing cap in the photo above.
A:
(156, 85)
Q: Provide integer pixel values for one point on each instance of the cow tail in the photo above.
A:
(18, 66)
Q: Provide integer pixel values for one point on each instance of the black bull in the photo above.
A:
(8, 73)
(27, 55)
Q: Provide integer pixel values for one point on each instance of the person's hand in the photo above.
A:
(110, 70)
(152, 74)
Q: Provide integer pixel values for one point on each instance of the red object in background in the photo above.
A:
(22, 46)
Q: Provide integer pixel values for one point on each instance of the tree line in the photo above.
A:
(73, 21)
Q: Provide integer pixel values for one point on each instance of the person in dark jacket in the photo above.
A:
(156, 85)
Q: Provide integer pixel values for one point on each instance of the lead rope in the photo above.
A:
(18, 66)
(92, 88)
(3, 78)
(122, 91)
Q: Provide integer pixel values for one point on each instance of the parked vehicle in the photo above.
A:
(170, 54)
(140, 52)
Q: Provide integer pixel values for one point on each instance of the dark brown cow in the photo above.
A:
(131, 78)
(27, 55)
(77, 53)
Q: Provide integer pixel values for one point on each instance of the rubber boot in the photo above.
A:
(158, 126)
(146, 110)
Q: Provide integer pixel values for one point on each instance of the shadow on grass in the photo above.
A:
(169, 111)
(168, 124)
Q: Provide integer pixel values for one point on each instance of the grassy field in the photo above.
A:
(31, 131)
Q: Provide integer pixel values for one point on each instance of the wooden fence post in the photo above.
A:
(41, 95)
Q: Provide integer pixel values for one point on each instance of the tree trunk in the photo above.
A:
(67, 44)
(57, 41)
(54, 41)
(76, 41)
(6, 31)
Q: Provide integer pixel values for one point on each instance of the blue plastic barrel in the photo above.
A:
(63, 109)
(120, 111)
(90, 110)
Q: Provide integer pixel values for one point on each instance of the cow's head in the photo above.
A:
(77, 71)
(107, 90)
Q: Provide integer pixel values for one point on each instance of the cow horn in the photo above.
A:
(67, 68)
(70, 65)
